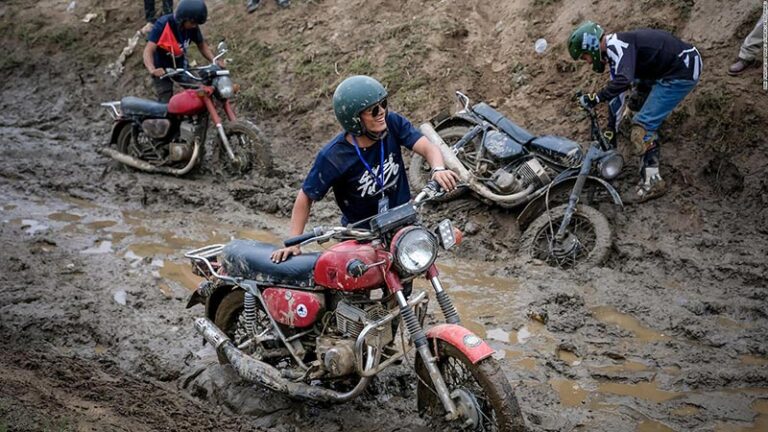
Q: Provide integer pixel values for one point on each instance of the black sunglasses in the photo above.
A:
(375, 110)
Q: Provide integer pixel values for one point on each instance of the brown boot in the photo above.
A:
(740, 66)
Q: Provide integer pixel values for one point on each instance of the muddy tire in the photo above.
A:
(419, 170)
(228, 312)
(251, 148)
(589, 225)
(125, 145)
(486, 381)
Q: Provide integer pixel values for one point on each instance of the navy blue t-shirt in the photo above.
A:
(339, 167)
(163, 58)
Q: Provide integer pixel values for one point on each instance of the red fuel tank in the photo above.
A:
(294, 308)
(331, 267)
(186, 103)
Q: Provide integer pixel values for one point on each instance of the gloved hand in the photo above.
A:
(589, 100)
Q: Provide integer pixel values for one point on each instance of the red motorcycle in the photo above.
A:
(320, 325)
(169, 138)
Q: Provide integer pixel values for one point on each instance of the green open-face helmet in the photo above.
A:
(354, 95)
(586, 39)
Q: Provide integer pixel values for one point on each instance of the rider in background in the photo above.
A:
(672, 66)
(168, 41)
(362, 161)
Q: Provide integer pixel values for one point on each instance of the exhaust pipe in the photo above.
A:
(264, 374)
(453, 163)
(148, 167)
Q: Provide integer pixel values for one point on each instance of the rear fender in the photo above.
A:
(445, 120)
(464, 340)
(116, 128)
(215, 299)
(536, 205)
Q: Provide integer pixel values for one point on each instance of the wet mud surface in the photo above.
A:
(671, 334)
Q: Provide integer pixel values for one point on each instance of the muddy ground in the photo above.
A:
(670, 334)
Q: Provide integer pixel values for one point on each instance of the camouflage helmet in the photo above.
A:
(586, 39)
(354, 95)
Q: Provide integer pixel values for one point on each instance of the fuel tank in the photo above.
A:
(331, 270)
(185, 103)
(294, 308)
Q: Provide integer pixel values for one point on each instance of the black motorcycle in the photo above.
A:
(550, 178)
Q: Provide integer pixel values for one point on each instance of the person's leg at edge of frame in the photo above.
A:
(149, 10)
(167, 7)
(749, 50)
(663, 98)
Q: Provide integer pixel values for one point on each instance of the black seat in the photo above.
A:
(251, 259)
(498, 119)
(131, 105)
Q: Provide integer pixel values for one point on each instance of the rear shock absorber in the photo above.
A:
(249, 312)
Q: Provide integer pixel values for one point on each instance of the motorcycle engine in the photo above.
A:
(530, 172)
(182, 151)
(156, 128)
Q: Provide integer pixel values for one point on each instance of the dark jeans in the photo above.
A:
(149, 9)
(163, 89)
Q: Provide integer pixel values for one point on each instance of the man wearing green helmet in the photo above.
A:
(672, 67)
(363, 164)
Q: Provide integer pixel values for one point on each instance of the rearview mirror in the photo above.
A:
(222, 46)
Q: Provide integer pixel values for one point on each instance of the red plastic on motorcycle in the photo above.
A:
(331, 267)
(293, 308)
(467, 342)
(186, 103)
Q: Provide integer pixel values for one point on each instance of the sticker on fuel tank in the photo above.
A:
(301, 311)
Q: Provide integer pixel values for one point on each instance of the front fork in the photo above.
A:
(586, 167)
(219, 127)
(420, 338)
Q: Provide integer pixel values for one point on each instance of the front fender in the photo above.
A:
(444, 120)
(464, 340)
(534, 207)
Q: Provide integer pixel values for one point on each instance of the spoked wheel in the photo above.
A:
(137, 145)
(419, 170)
(230, 318)
(480, 391)
(250, 146)
(587, 241)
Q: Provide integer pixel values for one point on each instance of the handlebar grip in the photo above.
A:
(293, 241)
(435, 186)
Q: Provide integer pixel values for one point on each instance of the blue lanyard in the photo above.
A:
(380, 179)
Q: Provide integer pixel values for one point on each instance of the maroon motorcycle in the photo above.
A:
(320, 325)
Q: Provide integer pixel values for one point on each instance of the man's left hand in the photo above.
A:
(446, 178)
(589, 100)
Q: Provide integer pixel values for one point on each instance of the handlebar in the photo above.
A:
(293, 241)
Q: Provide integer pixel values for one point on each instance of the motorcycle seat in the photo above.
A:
(131, 105)
(251, 260)
(498, 119)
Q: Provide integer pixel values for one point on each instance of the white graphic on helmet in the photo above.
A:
(589, 42)
(368, 185)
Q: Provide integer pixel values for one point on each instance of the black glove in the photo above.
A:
(588, 100)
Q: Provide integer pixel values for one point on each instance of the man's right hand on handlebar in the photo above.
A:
(158, 72)
(283, 254)
(446, 178)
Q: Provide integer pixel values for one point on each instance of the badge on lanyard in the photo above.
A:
(383, 204)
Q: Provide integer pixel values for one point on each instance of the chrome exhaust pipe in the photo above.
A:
(148, 167)
(453, 163)
(264, 374)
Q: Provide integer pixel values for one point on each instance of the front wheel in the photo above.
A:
(480, 390)
(250, 146)
(587, 242)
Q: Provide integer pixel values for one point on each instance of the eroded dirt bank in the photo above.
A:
(669, 335)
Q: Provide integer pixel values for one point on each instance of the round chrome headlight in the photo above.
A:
(223, 85)
(415, 250)
(610, 165)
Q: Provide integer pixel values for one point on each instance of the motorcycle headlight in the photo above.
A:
(415, 250)
(610, 165)
(224, 87)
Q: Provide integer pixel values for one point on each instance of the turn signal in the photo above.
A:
(458, 235)
(236, 88)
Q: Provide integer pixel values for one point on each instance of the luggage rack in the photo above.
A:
(203, 255)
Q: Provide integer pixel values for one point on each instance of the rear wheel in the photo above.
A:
(480, 390)
(250, 146)
(419, 171)
(587, 242)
